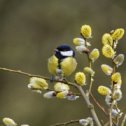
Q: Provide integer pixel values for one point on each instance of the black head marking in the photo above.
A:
(63, 48)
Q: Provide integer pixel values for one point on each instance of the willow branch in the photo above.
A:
(98, 104)
(82, 93)
(23, 73)
(34, 75)
(89, 105)
(123, 121)
(91, 78)
(66, 123)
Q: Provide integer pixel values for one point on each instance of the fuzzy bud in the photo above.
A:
(89, 71)
(49, 94)
(116, 113)
(37, 84)
(72, 97)
(86, 122)
(103, 90)
(9, 122)
(117, 94)
(107, 39)
(119, 60)
(116, 77)
(61, 87)
(106, 69)
(82, 49)
(86, 31)
(78, 41)
(108, 51)
(80, 78)
(62, 95)
(118, 34)
(94, 54)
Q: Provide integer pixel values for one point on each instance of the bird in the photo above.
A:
(62, 63)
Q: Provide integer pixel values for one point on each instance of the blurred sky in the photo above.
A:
(29, 32)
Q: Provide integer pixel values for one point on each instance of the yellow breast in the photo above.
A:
(68, 66)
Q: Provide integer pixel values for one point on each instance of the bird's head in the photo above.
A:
(64, 51)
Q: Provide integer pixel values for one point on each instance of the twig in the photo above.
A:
(89, 105)
(47, 78)
(66, 123)
(34, 75)
(86, 98)
(98, 104)
(91, 77)
(123, 121)
(23, 73)
(110, 114)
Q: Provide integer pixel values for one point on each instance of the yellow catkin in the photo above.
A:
(80, 78)
(94, 54)
(118, 34)
(78, 41)
(61, 87)
(86, 31)
(116, 77)
(9, 122)
(107, 39)
(106, 69)
(103, 90)
(89, 71)
(108, 51)
(38, 83)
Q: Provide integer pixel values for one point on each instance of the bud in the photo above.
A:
(108, 51)
(108, 99)
(117, 94)
(107, 39)
(72, 97)
(80, 78)
(89, 71)
(86, 122)
(78, 41)
(82, 49)
(37, 84)
(118, 34)
(83, 122)
(94, 54)
(103, 90)
(116, 113)
(61, 87)
(106, 69)
(62, 95)
(86, 31)
(116, 77)
(9, 122)
(119, 60)
(49, 94)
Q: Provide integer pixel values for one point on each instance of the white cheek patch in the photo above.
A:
(66, 53)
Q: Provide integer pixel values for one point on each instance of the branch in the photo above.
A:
(124, 120)
(23, 73)
(98, 104)
(66, 123)
(34, 75)
(89, 105)
(86, 98)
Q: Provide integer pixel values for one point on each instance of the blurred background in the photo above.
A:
(29, 32)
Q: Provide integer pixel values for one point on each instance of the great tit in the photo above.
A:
(63, 61)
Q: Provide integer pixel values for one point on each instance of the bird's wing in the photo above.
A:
(52, 64)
